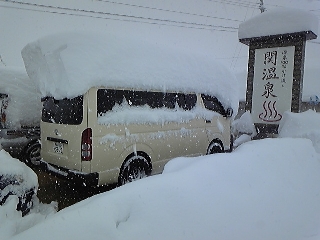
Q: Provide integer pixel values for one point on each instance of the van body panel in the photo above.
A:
(109, 176)
(65, 154)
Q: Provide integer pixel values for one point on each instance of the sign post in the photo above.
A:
(275, 65)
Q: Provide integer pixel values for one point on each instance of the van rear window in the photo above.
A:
(64, 111)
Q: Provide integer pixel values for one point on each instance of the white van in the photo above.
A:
(118, 107)
(114, 135)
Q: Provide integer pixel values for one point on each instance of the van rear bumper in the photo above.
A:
(86, 179)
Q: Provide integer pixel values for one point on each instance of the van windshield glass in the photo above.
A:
(65, 111)
(212, 103)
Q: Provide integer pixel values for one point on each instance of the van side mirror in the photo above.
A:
(229, 112)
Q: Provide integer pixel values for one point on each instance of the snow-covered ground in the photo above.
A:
(265, 189)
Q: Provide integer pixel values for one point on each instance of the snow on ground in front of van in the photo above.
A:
(58, 65)
(265, 189)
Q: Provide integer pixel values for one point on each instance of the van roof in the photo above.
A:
(68, 64)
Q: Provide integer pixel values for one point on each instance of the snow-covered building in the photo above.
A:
(20, 99)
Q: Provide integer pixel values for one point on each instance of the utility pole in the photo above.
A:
(1, 60)
(261, 6)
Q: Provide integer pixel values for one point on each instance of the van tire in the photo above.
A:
(216, 146)
(32, 154)
(134, 168)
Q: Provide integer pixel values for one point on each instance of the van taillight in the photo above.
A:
(86, 145)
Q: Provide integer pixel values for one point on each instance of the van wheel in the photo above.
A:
(215, 146)
(32, 154)
(134, 168)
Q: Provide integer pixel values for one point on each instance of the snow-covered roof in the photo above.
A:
(68, 64)
(24, 107)
(278, 21)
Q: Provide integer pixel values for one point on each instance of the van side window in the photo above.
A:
(212, 103)
(184, 101)
(106, 99)
(155, 99)
(189, 102)
(169, 100)
(135, 98)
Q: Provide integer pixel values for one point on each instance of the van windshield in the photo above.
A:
(212, 103)
(64, 111)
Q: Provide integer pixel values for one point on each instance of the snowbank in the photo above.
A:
(68, 64)
(301, 125)
(11, 220)
(12, 223)
(24, 104)
(278, 21)
(266, 189)
(13, 167)
(243, 129)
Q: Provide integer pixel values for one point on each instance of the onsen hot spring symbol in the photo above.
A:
(270, 113)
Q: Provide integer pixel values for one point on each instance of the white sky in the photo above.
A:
(22, 26)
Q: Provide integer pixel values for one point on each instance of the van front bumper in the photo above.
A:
(86, 179)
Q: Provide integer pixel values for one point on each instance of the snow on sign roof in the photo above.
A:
(278, 21)
(68, 64)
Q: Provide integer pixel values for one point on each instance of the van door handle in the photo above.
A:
(208, 121)
(57, 140)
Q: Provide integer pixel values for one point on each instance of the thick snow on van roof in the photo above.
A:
(67, 64)
(24, 105)
(278, 21)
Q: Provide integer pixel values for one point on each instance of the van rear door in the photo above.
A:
(62, 124)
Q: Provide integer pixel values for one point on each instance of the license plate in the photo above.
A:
(58, 148)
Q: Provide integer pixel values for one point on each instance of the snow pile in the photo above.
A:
(243, 129)
(278, 21)
(11, 220)
(12, 223)
(13, 167)
(266, 189)
(68, 64)
(24, 104)
(305, 125)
